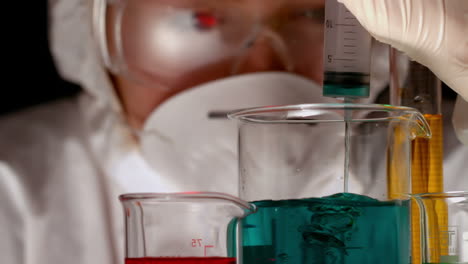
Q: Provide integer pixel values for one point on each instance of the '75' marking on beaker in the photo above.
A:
(198, 242)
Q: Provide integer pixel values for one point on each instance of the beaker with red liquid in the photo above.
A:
(182, 228)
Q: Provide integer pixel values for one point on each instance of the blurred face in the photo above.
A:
(162, 47)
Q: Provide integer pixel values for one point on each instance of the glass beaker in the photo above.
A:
(444, 227)
(182, 228)
(316, 204)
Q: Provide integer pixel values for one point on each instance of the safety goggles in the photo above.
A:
(160, 41)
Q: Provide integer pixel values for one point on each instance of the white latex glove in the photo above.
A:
(432, 32)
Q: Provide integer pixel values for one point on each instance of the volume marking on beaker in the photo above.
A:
(197, 242)
(208, 246)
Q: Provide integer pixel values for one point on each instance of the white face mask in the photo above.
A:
(181, 142)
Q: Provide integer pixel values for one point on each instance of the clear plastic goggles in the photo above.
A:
(163, 42)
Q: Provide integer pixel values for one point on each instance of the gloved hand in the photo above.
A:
(432, 32)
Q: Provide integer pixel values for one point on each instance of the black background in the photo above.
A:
(29, 75)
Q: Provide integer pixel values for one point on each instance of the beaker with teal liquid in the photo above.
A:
(330, 182)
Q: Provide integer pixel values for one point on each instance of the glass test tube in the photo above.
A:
(419, 88)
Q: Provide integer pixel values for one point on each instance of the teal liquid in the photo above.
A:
(346, 84)
(343, 229)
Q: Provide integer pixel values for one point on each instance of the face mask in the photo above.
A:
(189, 140)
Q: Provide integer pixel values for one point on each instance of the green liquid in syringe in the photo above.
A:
(346, 85)
(344, 228)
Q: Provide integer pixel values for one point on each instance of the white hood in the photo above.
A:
(75, 52)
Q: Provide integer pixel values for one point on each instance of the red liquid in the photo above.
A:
(186, 260)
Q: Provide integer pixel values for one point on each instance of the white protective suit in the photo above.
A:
(63, 165)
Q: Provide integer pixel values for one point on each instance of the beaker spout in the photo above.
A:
(420, 126)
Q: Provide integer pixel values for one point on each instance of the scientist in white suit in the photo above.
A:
(151, 70)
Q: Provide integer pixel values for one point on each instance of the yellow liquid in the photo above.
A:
(427, 176)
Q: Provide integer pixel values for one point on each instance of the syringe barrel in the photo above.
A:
(347, 54)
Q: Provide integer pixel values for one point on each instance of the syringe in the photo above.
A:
(347, 57)
(347, 54)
